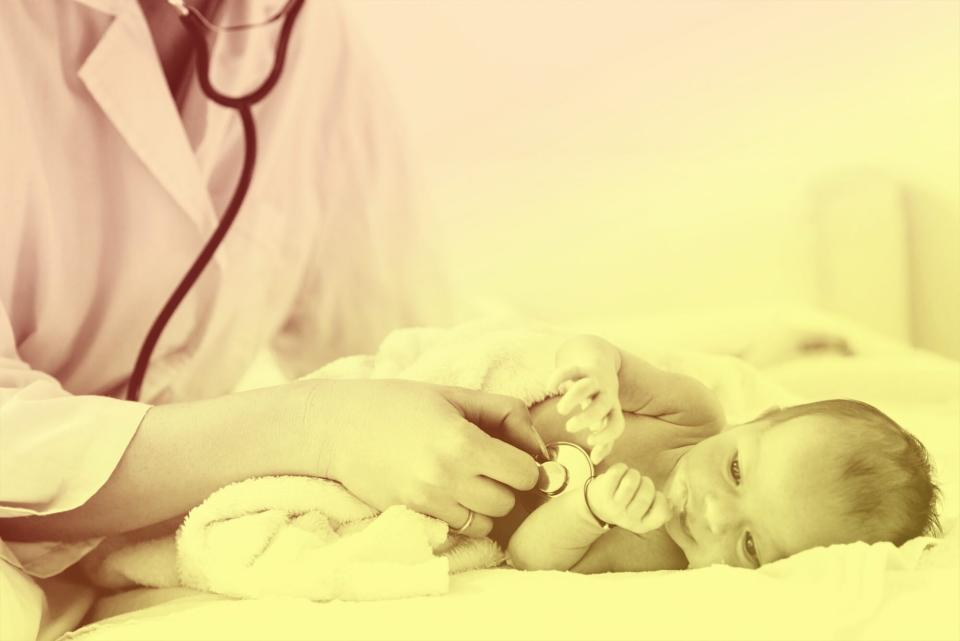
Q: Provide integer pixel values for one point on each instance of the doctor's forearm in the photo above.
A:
(180, 454)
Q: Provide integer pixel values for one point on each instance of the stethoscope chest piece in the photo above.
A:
(568, 467)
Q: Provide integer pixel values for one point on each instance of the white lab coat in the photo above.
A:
(108, 192)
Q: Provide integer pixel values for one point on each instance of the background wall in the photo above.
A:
(623, 156)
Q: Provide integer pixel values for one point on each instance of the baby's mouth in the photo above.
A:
(686, 526)
(681, 511)
(679, 494)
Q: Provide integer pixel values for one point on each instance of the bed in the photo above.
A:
(854, 591)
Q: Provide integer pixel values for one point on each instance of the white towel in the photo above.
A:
(294, 536)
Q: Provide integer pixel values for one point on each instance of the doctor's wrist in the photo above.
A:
(305, 413)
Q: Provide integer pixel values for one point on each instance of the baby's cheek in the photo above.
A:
(702, 558)
(697, 559)
(698, 555)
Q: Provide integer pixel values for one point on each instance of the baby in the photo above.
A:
(675, 487)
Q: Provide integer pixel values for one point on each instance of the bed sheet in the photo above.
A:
(841, 592)
(824, 596)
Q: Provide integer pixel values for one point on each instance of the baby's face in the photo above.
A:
(755, 493)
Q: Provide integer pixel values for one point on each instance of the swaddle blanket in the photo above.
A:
(295, 536)
(311, 538)
(513, 356)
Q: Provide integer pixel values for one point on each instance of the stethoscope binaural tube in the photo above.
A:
(197, 26)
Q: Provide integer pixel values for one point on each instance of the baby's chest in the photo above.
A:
(646, 443)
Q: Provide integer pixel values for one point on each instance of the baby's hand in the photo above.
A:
(623, 497)
(596, 392)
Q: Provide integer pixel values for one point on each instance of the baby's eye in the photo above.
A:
(751, 547)
(735, 467)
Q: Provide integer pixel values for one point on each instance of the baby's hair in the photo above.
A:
(885, 471)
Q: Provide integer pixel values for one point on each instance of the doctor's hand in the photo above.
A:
(623, 497)
(442, 451)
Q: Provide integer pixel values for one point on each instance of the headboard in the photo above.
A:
(888, 257)
(861, 251)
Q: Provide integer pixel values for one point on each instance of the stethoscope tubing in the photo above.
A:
(198, 30)
(242, 104)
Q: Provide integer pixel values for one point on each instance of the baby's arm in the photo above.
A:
(556, 535)
(559, 533)
(669, 396)
(604, 381)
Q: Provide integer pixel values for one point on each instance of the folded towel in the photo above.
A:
(309, 537)
(295, 536)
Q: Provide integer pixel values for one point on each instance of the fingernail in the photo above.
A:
(602, 451)
(540, 444)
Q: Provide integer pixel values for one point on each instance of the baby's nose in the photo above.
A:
(719, 514)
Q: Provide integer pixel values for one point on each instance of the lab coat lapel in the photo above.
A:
(124, 76)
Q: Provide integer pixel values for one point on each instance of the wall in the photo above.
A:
(585, 158)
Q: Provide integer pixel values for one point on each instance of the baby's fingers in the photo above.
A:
(659, 513)
(600, 452)
(582, 390)
(566, 374)
(635, 490)
(602, 442)
(609, 430)
(593, 417)
(606, 484)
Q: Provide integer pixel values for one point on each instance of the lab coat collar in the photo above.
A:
(126, 79)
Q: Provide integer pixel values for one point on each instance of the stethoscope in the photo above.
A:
(567, 468)
(197, 26)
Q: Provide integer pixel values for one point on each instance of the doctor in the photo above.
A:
(114, 171)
